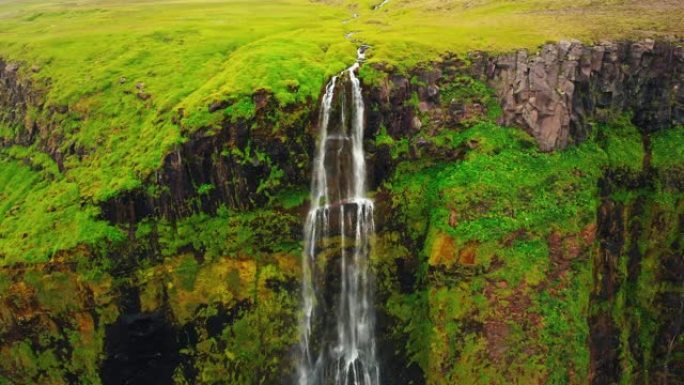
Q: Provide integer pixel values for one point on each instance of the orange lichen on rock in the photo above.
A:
(466, 256)
(443, 250)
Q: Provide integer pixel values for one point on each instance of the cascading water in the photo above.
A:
(337, 328)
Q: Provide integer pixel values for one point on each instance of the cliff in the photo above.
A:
(529, 230)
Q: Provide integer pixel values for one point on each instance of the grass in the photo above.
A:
(100, 55)
(405, 31)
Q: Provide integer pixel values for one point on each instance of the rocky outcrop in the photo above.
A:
(17, 96)
(405, 103)
(25, 118)
(239, 164)
(556, 93)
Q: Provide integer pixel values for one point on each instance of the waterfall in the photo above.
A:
(337, 343)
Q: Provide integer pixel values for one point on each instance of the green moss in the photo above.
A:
(466, 90)
(64, 338)
(253, 156)
(205, 189)
(668, 148)
(244, 108)
(249, 350)
(229, 232)
(489, 223)
(372, 76)
(187, 272)
(290, 198)
(383, 138)
(622, 143)
(41, 213)
(565, 328)
(504, 185)
(524, 261)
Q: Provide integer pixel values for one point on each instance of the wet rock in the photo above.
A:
(141, 349)
(218, 105)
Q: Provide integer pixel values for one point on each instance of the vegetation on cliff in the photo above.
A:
(508, 234)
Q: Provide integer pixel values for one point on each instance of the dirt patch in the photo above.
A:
(564, 249)
(508, 310)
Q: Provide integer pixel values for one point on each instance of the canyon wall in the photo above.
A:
(545, 254)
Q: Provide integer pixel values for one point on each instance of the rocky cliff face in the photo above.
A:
(495, 262)
(17, 96)
(557, 93)
(636, 314)
(566, 94)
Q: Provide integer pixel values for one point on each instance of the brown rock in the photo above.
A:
(555, 93)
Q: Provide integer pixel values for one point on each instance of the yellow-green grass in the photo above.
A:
(404, 32)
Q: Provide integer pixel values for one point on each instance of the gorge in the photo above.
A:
(199, 210)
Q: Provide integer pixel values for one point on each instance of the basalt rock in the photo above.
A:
(401, 105)
(631, 234)
(400, 100)
(20, 97)
(556, 93)
(234, 161)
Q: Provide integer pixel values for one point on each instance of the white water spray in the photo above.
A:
(337, 343)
